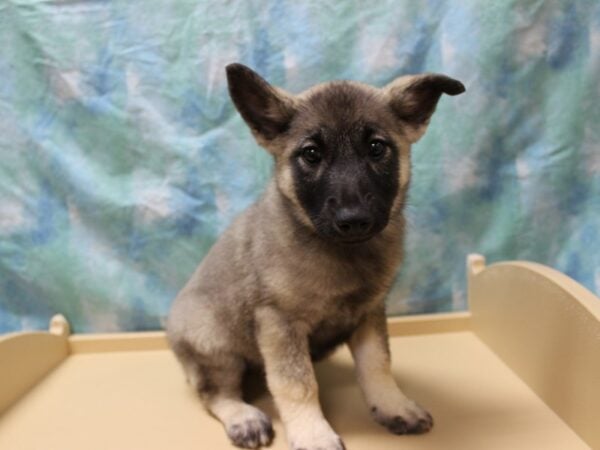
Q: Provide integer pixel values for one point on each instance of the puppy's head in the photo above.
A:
(342, 149)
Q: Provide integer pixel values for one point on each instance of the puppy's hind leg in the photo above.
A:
(217, 379)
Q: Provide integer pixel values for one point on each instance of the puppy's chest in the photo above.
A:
(332, 301)
(312, 282)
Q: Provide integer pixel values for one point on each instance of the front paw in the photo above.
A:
(250, 428)
(316, 438)
(406, 418)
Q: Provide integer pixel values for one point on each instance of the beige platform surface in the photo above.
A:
(139, 400)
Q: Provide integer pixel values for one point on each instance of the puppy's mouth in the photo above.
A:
(329, 232)
(337, 238)
(355, 240)
(330, 235)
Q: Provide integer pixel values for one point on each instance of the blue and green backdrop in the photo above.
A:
(122, 158)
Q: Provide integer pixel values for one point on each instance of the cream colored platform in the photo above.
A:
(521, 370)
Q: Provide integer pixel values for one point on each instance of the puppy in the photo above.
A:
(307, 267)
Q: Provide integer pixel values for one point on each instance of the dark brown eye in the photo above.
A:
(377, 149)
(312, 155)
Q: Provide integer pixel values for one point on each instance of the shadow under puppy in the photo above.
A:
(307, 267)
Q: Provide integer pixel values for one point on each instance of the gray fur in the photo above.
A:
(272, 292)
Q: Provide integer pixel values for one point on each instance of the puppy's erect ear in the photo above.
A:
(413, 99)
(267, 110)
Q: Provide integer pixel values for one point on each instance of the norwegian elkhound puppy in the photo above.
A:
(307, 267)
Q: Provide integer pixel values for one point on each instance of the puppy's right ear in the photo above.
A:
(267, 110)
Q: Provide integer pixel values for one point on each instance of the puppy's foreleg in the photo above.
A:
(389, 406)
(291, 380)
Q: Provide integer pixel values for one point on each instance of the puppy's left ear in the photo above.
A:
(413, 99)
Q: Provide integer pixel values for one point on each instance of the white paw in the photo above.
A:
(313, 436)
(249, 428)
(403, 417)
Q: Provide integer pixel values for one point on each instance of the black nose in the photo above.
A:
(353, 222)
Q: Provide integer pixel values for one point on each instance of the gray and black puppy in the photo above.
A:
(307, 267)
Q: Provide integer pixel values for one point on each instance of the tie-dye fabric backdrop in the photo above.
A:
(122, 158)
